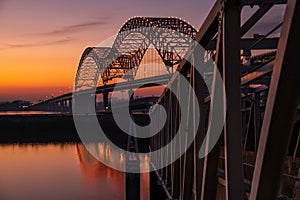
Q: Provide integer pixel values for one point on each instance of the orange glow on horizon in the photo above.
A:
(38, 72)
(38, 67)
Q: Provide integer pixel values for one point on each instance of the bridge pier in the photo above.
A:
(69, 105)
(133, 190)
(65, 107)
(105, 94)
(84, 103)
(53, 107)
(57, 106)
(60, 105)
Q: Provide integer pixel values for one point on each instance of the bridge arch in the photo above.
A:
(129, 48)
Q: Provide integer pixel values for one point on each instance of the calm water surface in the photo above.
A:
(26, 112)
(59, 171)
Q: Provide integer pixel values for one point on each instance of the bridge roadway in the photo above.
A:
(65, 99)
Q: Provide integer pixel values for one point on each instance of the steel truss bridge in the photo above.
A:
(257, 155)
(253, 158)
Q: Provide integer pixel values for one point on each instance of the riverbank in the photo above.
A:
(53, 128)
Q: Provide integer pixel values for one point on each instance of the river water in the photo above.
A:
(59, 172)
(26, 112)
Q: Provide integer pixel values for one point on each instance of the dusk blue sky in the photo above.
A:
(42, 40)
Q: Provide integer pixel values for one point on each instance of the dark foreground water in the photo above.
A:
(59, 171)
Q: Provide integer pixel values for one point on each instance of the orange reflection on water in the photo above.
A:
(92, 169)
(51, 171)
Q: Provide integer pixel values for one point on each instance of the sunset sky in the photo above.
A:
(42, 40)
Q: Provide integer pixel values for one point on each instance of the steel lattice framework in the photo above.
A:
(169, 36)
(258, 153)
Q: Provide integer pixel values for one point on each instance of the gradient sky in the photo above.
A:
(42, 40)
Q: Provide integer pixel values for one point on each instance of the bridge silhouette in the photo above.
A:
(260, 138)
(126, 53)
(63, 103)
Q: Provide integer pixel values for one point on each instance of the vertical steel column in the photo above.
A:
(188, 174)
(250, 140)
(281, 107)
(257, 118)
(198, 85)
(169, 138)
(231, 75)
(132, 180)
(189, 154)
(172, 132)
(176, 165)
(210, 166)
(165, 137)
(156, 191)
(244, 122)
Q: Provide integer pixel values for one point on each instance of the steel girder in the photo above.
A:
(130, 46)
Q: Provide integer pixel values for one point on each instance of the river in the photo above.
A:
(59, 172)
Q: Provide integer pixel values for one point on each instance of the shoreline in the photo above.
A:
(58, 128)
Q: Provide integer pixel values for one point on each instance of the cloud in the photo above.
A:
(77, 27)
(37, 44)
(74, 28)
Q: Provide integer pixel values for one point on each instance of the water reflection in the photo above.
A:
(113, 156)
(92, 169)
(51, 171)
(27, 112)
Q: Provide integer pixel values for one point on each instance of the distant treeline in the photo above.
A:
(14, 105)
